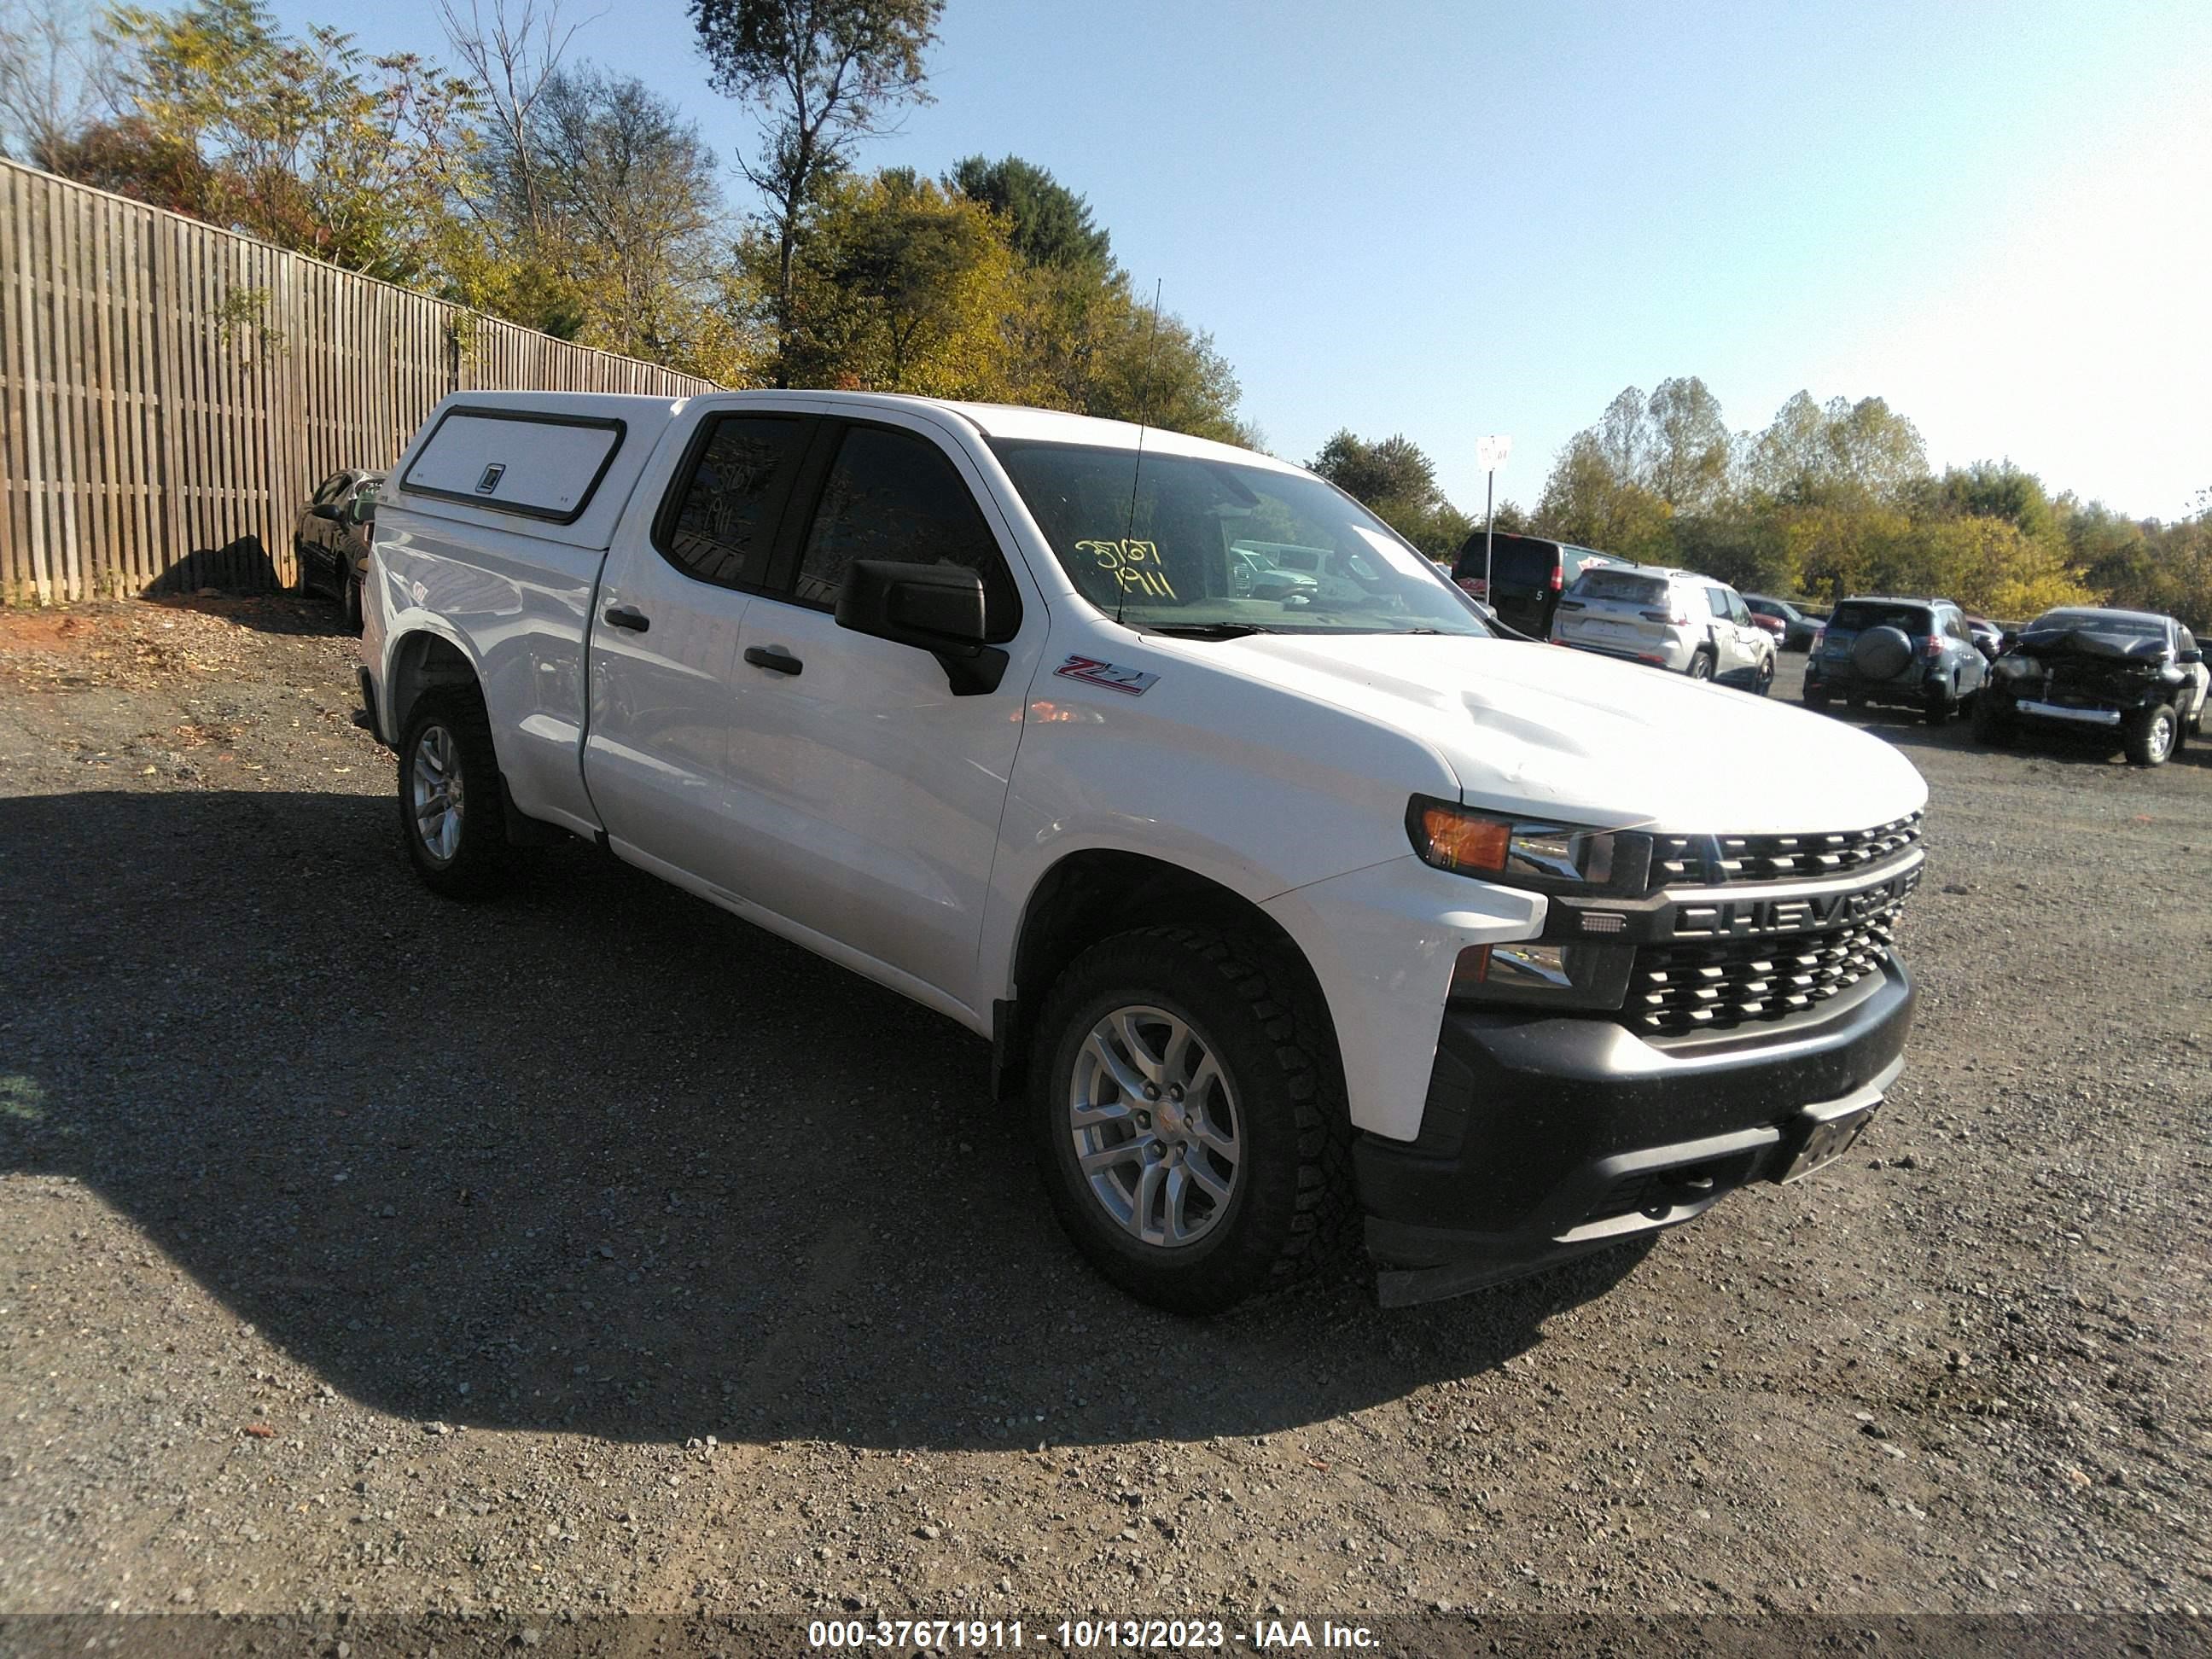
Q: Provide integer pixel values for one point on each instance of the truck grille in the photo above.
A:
(1710, 861)
(1673, 989)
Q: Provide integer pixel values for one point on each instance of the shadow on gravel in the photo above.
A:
(597, 1157)
(313, 615)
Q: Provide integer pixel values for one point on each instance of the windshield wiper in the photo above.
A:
(1211, 630)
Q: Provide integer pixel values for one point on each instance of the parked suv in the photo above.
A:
(1672, 619)
(1266, 908)
(2132, 675)
(1796, 628)
(1912, 653)
(1528, 574)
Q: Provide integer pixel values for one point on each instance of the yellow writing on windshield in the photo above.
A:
(1135, 565)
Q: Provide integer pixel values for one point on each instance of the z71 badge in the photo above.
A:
(1133, 681)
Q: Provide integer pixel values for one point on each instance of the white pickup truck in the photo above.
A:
(1270, 905)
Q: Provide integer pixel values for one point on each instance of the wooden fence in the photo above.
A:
(172, 393)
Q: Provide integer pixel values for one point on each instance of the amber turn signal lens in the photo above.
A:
(1459, 840)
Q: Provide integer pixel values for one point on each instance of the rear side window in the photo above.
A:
(1521, 564)
(719, 524)
(535, 466)
(893, 495)
(1857, 616)
(1623, 586)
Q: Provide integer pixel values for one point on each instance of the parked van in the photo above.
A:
(1528, 574)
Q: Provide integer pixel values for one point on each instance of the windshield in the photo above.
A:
(1215, 547)
(2099, 622)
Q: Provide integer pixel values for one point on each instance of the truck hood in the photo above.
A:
(1530, 728)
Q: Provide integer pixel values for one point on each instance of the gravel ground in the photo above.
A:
(595, 1251)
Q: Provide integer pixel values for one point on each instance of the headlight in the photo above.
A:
(1559, 858)
(2017, 668)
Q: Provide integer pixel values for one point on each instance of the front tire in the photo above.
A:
(2149, 735)
(451, 806)
(1763, 681)
(1184, 1115)
(1992, 723)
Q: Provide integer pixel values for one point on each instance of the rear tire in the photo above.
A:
(1940, 706)
(2149, 735)
(1816, 698)
(1243, 1166)
(351, 606)
(452, 802)
(1701, 666)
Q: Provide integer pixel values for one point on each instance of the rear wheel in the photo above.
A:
(1184, 1116)
(350, 605)
(2150, 734)
(452, 813)
(1816, 696)
(1942, 704)
(1701, 666)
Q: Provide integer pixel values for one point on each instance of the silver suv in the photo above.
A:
(1672, 619)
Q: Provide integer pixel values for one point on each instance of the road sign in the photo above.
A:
(1492, 452)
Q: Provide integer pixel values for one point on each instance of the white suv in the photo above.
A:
(1672, 619)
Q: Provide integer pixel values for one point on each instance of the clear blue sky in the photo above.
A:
(1453, 219)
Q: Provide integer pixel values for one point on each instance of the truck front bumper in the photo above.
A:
(1546, 1137)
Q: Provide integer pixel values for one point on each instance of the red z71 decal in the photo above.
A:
(1134, 682)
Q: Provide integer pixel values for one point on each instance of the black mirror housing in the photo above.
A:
(938, 608)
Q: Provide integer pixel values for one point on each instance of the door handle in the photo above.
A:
(774, 657)
(620, 616)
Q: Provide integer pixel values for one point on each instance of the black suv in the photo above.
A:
(1910, 654)
(2132, 675)
(1527, 576)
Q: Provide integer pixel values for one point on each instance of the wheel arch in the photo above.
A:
(1095, 893)
(421, 660)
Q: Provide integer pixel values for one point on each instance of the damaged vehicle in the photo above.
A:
(2134, 676)
(1273, 910)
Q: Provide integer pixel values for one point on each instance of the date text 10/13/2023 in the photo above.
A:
(1083, 1635)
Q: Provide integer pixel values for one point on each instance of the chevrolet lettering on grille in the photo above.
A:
(1749, 916)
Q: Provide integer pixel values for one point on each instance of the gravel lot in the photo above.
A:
(595, 1251)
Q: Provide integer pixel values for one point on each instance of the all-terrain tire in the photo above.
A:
(1244, 1009)
(446, 761)
(2149, 735)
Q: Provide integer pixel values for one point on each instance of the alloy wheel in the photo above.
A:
(1154, 1122)
(435, 792)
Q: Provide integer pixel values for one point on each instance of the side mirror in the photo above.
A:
(2007, 639)
(326, 510)
(938, 608)
(2191, 658)
(361, 510)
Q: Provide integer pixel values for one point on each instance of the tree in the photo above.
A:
(305, 141)
(825, 74)
(1396, 480)
(1687, 446)
(1813, 451)
(56, 73)
(900, 287)
(1047, 223)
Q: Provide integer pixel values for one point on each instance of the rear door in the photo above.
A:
(679, 581)
(871, 794)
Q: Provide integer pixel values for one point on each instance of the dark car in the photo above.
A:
(1987, 637)
(2132, 675)
(331, 540)
(1912, 653)
(1528, 574)
(1796, 628)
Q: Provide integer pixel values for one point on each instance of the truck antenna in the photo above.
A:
(1136, 474)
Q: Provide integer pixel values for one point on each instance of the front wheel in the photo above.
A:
(452, 815)
(1992, 723)
(1184, 1116)
(1763, 682)
(2150, 734)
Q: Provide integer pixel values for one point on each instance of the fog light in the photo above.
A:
(1543, 973)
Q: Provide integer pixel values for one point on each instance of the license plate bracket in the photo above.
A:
(1819, 1136)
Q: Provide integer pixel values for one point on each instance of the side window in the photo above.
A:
(894, 495)
(1955, 625)
(1716, 598)
(2183, 639)
(328, 492)
(720, 523)
(1737, 611)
